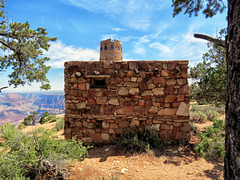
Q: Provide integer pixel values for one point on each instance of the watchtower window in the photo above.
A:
(101, 48)
(117, 47)
(111, 46)
(105, 47)
(98, 83)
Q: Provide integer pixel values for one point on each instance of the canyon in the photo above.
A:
(14, 107)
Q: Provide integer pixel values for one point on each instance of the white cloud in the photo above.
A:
(108, 36)
(136, 14)
(59, 53)
(160, 47)
(178, 46)
(118, 29)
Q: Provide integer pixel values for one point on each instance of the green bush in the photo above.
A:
(198, 116)
(30, 119)
(9, 131)
(38, 154)
(59, 124)
(203, 113)
(140, 141)
(212, 141)
(46, 117)
(21, 126)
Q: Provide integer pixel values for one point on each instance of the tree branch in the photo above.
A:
(211, 39)
(5, 44)
(3, 88)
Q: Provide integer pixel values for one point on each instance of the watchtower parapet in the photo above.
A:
(111, 50)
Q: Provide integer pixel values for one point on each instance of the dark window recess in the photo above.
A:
(111, 46)
(98, 83)
(101, 48)
(117, 47)
(105, 47)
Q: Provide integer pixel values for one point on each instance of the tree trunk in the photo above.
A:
(232, 145)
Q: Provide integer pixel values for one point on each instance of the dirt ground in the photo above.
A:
(172, 162)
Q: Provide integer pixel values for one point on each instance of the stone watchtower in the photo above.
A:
(111, 50)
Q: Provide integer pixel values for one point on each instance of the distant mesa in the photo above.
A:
(14, 107)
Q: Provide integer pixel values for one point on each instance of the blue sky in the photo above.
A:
(146, 29)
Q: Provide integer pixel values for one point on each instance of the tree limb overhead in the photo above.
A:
(211, 39)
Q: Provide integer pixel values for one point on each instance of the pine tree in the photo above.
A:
(211, 8)
(24, 49)
(210, 76)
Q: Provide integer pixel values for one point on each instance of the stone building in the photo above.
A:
(111, 50)
(104, 97)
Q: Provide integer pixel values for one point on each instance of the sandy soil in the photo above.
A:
(171, 163)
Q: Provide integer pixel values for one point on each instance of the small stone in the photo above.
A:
(170, 98)
(134, 79)
(151, 86)
(123, 170)
(101, 100)
(122, 91)
(105, 125)
(165, 73)
(153, 110)
(130, 74)
(132, 65)
(159, 81)
(167, 112)
(183, 109)
(123, 124)
(147, 93)
(104, 136)
(82, 87)
(183, 90)
(133, 91)
(171, 82)
(127, 110)
(158, 91)
(81, 105)
(181, 81)
(91, 100)
(113, 101)
(135, 123)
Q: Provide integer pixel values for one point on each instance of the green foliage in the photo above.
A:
(21, 126)
(46, 117)
(212, 141)
(203, 113)
(59, 124)
(209, 8)
(38, 155)
(9, 131)
(24, 50)
(140, 141)
(210, 76)
(30, 119)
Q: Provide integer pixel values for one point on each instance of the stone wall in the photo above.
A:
(136, 94)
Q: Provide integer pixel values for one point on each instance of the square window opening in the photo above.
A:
(98, 83)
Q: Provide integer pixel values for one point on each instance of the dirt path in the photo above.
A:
(171, 163)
